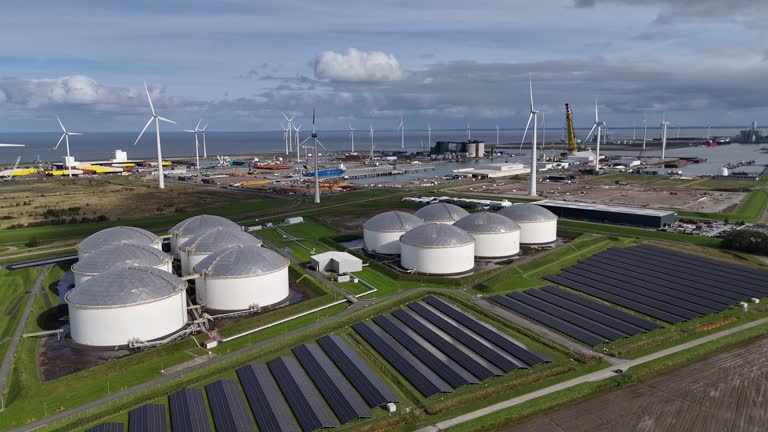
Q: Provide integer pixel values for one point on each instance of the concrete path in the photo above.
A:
(592, 377)
(5, 368)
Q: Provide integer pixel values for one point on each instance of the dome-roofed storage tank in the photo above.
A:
(195, 226)
(436, 248)
(193, 250)
(382, 232)
(124, 304)
(124, 254)
(496, 236)
(114, 235)
(441, 213)
(241, 277)
(537, 224)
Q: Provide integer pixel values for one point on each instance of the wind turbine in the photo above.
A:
(429, 134)
(402, 132)
(65, 136)
(205, 150)
(157, 119)
(286, 132)
(535, 117)
(352, 136)
(498, 135)
(645, 131)
(372, 144)
(298, 147)
(469, 133)
(597, 129)
(664, 126)
(290, 127)
(315, 167)
(197, 146)
(11, 145)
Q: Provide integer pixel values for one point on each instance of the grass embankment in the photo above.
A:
(14, 296)
(589, 227)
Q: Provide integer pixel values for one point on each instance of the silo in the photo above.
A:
(441, 213)
(382, 232)
(537, 224)
(193, 250)
(197, 225)
(117, 255)
(471, 149)
(438, 249)
(117, 234)
(480, 150)
(496, 236)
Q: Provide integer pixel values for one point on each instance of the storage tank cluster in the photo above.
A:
(445, 239)
(126, 291)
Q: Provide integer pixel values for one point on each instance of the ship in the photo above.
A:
(331, 172)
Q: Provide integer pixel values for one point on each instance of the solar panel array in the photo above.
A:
(583, 319)
(147, 418)
(229, 411)
(438, 347)
(107, 427)
(188, 411)
(666, 285)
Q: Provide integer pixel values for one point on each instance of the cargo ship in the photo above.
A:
(331, 172)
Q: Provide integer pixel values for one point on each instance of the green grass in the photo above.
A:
(309, 229)
(589, 227)
(751, 210)
(13, 285)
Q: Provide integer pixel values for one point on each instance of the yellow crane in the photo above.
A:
(572, 144)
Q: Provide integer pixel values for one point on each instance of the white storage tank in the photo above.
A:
(124, 304)
(496, 236)
(241, 277)
(537, 224)
(480, 149)
(441, 213)
(117, 255)
(471, 149)
(195, 226)
(193, 250)
(382, 232)
(114, 235)
(436, 248)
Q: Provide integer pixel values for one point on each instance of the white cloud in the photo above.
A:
(358, 66)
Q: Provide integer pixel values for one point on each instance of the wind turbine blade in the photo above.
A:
(165, 120)
(149, 122)
(596, 118)
(11, 145)
(305, 140)
(60, 140)
(530, 117)
(198, 124)
(321, 145)
(285, 116)
(204, 127)
(530, 87)
(75, 133)
(189, 130)
(61, 124)
(151, 107)
(589, 135)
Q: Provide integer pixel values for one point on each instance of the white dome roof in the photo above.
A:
(486, 222)
(122, 254)
(125, 286)
(527, 213)
(441, 212)
(202, 223)
(118, 234)
(436, 235)
(216, 239)
(393, 221)
(239, 261)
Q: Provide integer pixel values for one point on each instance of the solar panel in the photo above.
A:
(587, 313)
(477, 366)
(307, 404)
(565, 315)
(487, 352)
(188, 412)
(602, 308)
(267, 404)
(575, 283)
(343, 399)
(147, 418)
(107, 427)
(230, 414)
(420, 377)
(445, 368)
(722, 266)
(514, 348)
(371, 387)
(549, 321)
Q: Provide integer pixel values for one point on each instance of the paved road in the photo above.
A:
(595, 376)
(5, 368)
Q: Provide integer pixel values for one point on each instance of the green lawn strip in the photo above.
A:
(538, 406)
(353, 288)
(636, 232)
(13, 286)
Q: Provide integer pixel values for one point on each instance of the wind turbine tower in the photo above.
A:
(65, 136)
(402, 132)
(290, 128)
(298, 147)
(645, 131)
(469, 133)
(157, 119)
(597, 129)
(314, 154)
(534, 115)
(352, 136)
(372, 144)
(664, 126)
(205, 150)
(429, 134)
(197, 147)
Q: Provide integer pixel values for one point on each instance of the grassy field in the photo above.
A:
(751, 210)
(13, 286)
(616, 230)
(659, 181)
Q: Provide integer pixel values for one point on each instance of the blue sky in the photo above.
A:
(237, 64)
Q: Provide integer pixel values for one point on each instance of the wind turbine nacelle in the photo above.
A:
(69, 161)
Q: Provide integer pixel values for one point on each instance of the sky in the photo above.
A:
(238, 64)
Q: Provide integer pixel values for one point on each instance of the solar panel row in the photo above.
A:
(147, 418)
(188, 411)
(524, 354)
(307, 405)
(228, 409)
(720, 266)
(267, 404)
(107, 427)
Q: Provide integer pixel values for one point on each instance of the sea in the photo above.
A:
(101, 145)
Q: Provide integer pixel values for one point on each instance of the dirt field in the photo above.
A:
(654, 197)
(724, 393)
(29, 202)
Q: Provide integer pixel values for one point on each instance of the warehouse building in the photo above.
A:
(336, 262)
(620, 215)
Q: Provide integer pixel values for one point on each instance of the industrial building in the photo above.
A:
(382, 232)
(494, 170)
(241, 277)
(197, 225)
(120, 255)
(471, 148)
(125, 305)
(114, 235)
(538, 226)
(336, 262)
(441, 213)
(438, 249)
(622, 215)
(496, 236)
(196, 248)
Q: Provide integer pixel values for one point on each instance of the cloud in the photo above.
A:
(672, 11)
(355, 66)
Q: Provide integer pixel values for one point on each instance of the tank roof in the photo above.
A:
(527, 213)
(202, 223)
(241, 261)
(441, 212)
(487, 222)
(123, 254)
(216, 239)
(115, 235)
(436, 235)
(125, 286)
(393, 221)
